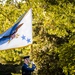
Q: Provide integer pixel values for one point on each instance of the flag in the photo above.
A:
(19, 35)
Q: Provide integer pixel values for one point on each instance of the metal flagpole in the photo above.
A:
(31, 50)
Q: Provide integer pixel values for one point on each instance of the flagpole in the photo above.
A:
(31, 50)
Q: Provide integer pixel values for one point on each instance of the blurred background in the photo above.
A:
(53, 36)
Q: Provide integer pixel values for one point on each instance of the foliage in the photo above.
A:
(53, 35)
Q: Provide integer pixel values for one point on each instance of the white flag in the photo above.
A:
(19, 35)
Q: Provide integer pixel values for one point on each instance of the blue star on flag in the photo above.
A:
(28, 40)
(23, 37)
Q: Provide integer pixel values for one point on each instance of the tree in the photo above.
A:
(53, 34)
